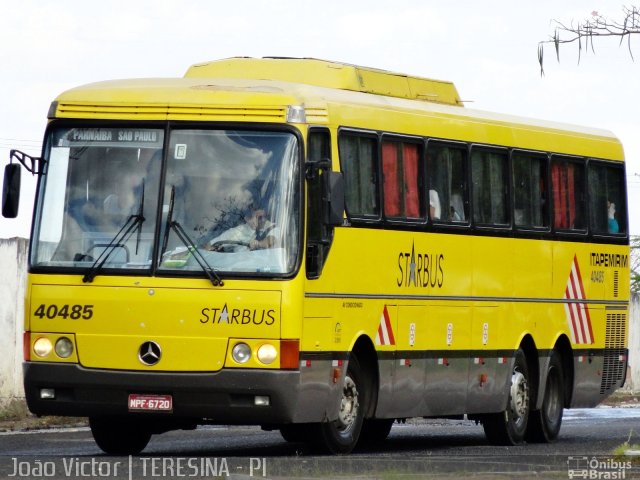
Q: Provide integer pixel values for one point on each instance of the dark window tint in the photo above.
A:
(319, 236)
(530, 190)
(490, 191)
(358, 161)
(447, 174)
(607, 205)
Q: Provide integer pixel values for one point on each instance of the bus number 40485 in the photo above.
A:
(73, 312)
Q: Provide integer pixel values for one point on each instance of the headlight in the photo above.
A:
(42, 347)
(267, 353)
(241, 353)
(64, 347)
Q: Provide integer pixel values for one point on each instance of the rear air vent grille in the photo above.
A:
(614, 352)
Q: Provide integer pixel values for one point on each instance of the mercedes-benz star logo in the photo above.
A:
(149, 353)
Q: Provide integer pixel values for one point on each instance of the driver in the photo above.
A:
(257, 232)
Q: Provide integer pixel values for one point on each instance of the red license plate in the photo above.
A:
(156, 403)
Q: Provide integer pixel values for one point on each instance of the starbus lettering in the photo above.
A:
(420, 269)
(237, 316)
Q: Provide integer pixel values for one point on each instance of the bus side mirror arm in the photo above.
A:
(33, 165)
(11, 182)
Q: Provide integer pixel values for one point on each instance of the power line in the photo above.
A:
(21, 140)
(19, 145)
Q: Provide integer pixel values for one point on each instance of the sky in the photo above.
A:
(488, 49)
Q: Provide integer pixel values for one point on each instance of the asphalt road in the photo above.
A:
(418, 449)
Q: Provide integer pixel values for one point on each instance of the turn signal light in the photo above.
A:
(290, 354)
(26, 346)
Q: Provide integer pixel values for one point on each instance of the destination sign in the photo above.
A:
(142, 137)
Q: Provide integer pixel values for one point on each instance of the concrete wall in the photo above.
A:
(633, 375)
(13, 263)
(13, 268)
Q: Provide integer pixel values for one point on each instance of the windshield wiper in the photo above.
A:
(174, 225)
(141, 216)
(119, 240)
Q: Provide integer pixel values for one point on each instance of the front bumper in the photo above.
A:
(226, 396)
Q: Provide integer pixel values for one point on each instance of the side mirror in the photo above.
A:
(11, 191)
(334, 198)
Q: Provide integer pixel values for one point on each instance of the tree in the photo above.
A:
(586, 31)
(584, 34)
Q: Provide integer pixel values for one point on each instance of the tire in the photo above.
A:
(510, 427)
(119, 436)
(342, 434)
(544, 424)
(375, 431)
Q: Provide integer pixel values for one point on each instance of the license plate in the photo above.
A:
(156, 403)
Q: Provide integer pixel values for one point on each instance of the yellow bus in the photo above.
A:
(318, 248)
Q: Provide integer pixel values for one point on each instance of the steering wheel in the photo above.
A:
(219, 246)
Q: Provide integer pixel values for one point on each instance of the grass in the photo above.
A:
(620, 452)
(14, 415)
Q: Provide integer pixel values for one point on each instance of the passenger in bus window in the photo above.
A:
(613, 226)
(257, 232)
(434, 205)
(457, 208)
(454, 216)
(126, 198)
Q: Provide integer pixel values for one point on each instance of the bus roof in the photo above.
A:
(322, 73)
(260, 90)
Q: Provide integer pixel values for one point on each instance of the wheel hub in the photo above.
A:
(348, 404)
(519, 395)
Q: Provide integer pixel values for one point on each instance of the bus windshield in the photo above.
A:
(232, 192)
(234, 196)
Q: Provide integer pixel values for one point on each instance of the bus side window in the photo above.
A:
(358, 161)
(447, 193)
(319, 235)
(568, 187)
(607, 205)
(402, 171)
(489, 176)
(530, 190)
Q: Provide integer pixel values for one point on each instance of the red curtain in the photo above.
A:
(390, 176)
(571, 193)
(564, 195)
(411, 195)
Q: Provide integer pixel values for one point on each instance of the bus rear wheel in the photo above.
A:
(119, 436)
(509, 427)
(544, 424)
(342, 434)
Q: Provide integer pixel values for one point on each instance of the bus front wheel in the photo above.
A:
(509, 427)
(119, 436)
(341, 435)
(544, 424)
